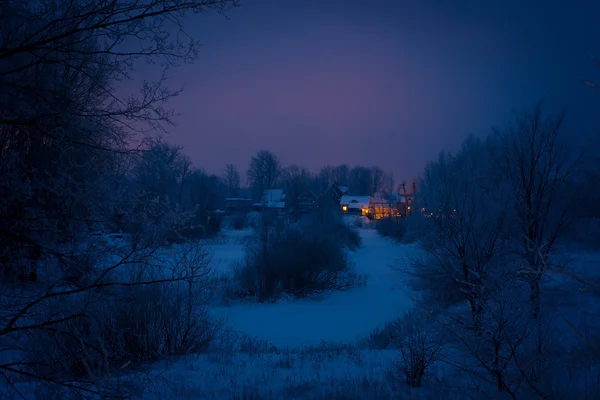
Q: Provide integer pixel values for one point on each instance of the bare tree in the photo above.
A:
(378, 179)
(341, 174)
(81, 42)
(231, 179)
(539, 165)
(324, 178)
(67, 137)
(263, 172)
(420, 345)
(466, 238)
(161, 169)
(296, 182)
(164, 176)
(59, 61)
(388, 188)
(361, 182)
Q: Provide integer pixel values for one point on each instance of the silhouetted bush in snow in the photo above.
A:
(128, 324)
(239, 222)
(393, 227)
(298, 260)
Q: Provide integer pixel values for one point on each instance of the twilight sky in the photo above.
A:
(378, 82)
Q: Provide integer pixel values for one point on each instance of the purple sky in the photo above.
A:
(388, 83)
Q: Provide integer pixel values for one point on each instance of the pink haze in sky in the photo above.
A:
(392, 85)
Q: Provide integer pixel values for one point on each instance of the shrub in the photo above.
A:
(191, 228)
(299, 260)
(418, 339)
(213, 224)
(343, 227)
(122, 325)
(238, 222)
(393, 227)
(351, 237)
(359, 223)
(420, 345)
(433, 284)
(383, 337)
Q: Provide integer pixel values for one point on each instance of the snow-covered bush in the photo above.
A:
(238, 222)
(155, 311)
(417, 337)
(351, 237)
(420, 344)
(298, 260)
(393, 227)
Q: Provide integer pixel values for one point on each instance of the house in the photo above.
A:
(343, 189)
(306, 203)
(333, 193)
(380, 205)
(355, 204)
(384, 205)
(273, 199)
(390, 204)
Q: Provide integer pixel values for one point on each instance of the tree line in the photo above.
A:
(503, 212)
(266, 172)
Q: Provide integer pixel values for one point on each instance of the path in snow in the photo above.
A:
(341, 317)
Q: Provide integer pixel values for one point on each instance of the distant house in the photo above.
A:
(385, 205)
(355, 204)
(342, 189)
(390, 204)
(378, 206)
(334, 193)
(304, 204)
(238, 205)
(273, 199)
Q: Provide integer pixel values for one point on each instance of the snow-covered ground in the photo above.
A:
(338, 317)
(317, 373)
(300, 349)
(307, 349)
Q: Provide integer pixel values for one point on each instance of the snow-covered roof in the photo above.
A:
(343, 189)
(273, 195)
(238, 199)
(356, 201)
(396, 197)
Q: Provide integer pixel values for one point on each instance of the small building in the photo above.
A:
(390, 204)
(306, 203)
(273, 199)
(380, 205)
(355, 204)
(334, 193)
(343, 189)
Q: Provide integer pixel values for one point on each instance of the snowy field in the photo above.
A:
(307, 349)
(300, 349)
(317, 373)
(339, 317)
(310, 348)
